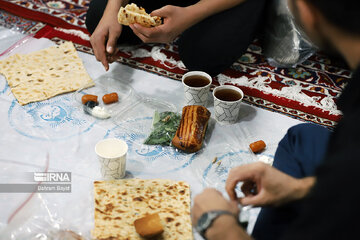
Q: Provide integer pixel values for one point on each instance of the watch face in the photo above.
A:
(203, 223)
(207, 219)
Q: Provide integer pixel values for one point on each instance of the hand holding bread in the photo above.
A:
(131, 14)
(175, 21)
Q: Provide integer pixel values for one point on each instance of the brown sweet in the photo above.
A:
(149, 226)
(191, 131)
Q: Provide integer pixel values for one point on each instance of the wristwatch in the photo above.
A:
(207, 219)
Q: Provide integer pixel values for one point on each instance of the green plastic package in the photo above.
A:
(164, 128)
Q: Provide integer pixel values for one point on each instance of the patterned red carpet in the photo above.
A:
(308, 92)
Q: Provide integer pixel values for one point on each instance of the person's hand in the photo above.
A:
(175, 21)
(264, 185)
(104, 38)
(211, 199)
(225, 226)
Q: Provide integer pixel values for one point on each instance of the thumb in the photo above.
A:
(255, 200)
(161, 12)
(111, 43)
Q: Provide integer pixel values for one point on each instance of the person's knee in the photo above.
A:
(298, 130)
(197, 57)
(296, 135)
(306, 145)
(215, 43)
(306, 130)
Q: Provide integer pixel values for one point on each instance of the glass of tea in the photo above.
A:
(196, 87)
(227, 100)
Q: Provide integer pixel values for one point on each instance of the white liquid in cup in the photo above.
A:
(112, 156)
(111, 148)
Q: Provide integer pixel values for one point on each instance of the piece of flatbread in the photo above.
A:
(46, 73)
(118, 203)
(131, 13)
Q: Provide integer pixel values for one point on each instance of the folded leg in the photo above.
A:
(218, 41)
(299, 153)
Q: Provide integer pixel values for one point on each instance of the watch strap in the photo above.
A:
(213, 215)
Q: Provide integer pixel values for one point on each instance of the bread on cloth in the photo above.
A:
(119, 203)
(149, 226)
(46, 73)
(131, 14)
(191, 131)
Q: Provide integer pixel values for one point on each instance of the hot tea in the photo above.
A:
(196, 81)
(228, 95)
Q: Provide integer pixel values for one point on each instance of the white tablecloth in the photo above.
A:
(58, 128)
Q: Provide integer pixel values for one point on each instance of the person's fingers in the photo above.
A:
(95, 47)
(99, 51)
(102, 57)
(109, 48)
(117, 50)
(230, 186)
(230, 189)
(146, 31)
(112, 58)
(237, 175)
(105, 63)
(254, 200)
(111, 42)
(139, 34)
(250, 172)
(161, 12)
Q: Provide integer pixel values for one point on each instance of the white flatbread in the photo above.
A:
(118, 203)
(131, 14)
(46, 73)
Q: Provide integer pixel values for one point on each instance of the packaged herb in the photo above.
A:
(164, 128)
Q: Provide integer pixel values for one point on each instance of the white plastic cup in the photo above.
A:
(227, 111)
(111, 153)
(196, 95)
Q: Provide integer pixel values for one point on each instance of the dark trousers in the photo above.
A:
(213, 44)
(299, 153)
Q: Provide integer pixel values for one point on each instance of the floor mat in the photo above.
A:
(308, 92)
